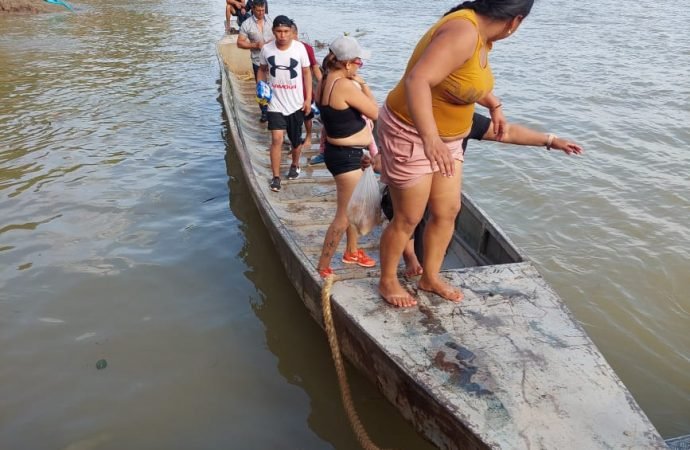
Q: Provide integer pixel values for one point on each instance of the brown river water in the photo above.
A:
(127, 233)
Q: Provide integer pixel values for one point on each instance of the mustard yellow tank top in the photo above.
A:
(453, 99)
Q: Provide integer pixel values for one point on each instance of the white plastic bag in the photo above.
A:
(364, 209)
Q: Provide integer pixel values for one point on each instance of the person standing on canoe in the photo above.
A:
(284, 64)
(254, 34)
(345, 100)
(481, 130)
(421, 128)
(316, 78)
(232, 8)
(246, 12)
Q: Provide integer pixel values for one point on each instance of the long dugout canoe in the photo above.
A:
(507, 368)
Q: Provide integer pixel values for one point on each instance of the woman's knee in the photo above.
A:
(340, 223)
(406, 222)
(446, 211)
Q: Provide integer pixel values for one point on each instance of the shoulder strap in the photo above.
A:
(331, 90)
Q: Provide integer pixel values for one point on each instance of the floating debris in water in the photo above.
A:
(85, 336)
(51, 320)
(101, 364)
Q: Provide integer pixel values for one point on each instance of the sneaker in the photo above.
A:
(360, 258)
(264, 117)
(294, 172)
(318, 159)
(275, 184)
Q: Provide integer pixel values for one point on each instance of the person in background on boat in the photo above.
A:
(316, 77)
(342, 106)
(319, 159)
(284, 64)
(254, 34)
(481, 130)
(421, 128)
(232, 8)
(246, 11)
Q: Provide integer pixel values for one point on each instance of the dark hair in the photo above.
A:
(497, 9)
(329, 62)
(259, 4)
(282, 21)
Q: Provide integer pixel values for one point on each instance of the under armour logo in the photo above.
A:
(273, 67)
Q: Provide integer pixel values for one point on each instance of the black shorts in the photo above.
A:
(387, 204)
(480, 125)
(341, 159)
(292, 124)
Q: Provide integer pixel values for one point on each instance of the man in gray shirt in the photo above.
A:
(254, 33)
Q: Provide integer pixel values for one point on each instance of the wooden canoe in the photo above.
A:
(507, 368)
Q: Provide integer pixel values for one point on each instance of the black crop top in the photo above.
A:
(341, 123)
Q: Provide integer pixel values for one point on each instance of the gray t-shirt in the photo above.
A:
(250, 30)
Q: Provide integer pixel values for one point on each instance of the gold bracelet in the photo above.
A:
(549, 140)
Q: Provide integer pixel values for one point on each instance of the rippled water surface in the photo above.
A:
(127, 232)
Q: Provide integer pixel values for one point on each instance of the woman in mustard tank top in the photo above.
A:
(421, 127)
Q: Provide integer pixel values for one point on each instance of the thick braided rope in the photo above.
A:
(353, 417)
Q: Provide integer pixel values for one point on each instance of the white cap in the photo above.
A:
(346, 48)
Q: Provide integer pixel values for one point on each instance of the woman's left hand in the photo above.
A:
(365, 161)
(499, 122)
(566, 146)
(374, 162)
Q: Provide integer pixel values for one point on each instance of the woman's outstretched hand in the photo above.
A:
(566, 146)
(437, 152)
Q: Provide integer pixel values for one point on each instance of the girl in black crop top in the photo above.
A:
(344, 105)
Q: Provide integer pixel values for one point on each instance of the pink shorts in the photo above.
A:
(403, 162)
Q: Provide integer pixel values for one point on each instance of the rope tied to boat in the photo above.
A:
(345, 394)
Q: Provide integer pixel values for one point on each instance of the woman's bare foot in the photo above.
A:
(413, 270)
(441, 288)
(412, 266)
(394, 294)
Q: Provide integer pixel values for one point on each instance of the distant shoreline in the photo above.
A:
(27, 7)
